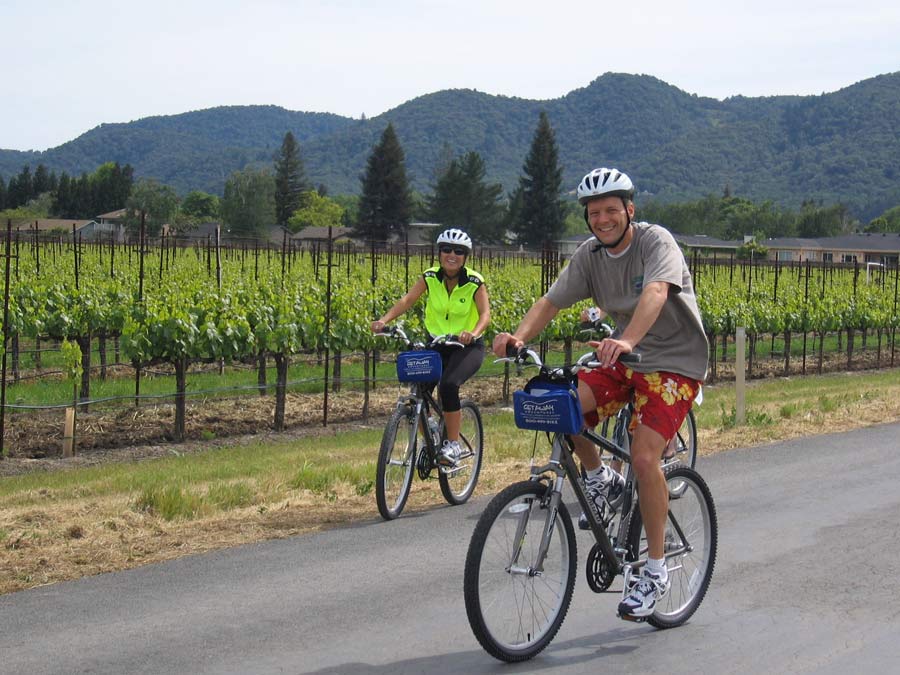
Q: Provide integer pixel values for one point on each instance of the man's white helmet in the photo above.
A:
(455, 237)
(604, 182)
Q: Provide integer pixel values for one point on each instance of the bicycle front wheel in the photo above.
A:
(396, 461)
(458, 483)
(691, 537)
(514, 609)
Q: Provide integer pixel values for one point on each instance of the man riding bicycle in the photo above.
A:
(637, 274)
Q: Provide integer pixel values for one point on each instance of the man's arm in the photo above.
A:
(650, 304)
(540, 314)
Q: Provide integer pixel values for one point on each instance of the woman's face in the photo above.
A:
(452, 258)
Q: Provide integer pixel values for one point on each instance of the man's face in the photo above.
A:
(608, 217)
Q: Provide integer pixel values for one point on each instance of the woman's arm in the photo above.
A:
(482, 303)
(401, 306)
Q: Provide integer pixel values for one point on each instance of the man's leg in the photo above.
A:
(645, 590)
(586, 451)
(646, 449)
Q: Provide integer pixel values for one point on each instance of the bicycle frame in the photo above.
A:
(562, 464)
(422, 401)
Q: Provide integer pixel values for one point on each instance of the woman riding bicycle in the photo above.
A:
(456, 304)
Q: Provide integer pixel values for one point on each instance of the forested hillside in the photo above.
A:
(837, 147)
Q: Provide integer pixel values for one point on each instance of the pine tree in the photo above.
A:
(62, 202)
(290, 179)
(41, 182)
(19, 190)
(385, 207)
(462, 199)
(542, 215)
(248, 204)
(2, 193)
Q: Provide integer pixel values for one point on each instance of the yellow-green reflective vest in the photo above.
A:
(451, 313)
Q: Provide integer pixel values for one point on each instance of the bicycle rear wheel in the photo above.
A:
(685, 447)
(396, 461)
(458, 484)
(691, 537)
(686, 442)
(513, 609)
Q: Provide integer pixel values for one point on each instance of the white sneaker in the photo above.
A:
(449, 454)
(640, 598)
(605, 491)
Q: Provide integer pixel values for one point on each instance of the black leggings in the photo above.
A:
(458, 366)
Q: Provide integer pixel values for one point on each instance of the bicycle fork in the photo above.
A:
(546, 535)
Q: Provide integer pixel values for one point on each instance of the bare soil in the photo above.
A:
(34, 441)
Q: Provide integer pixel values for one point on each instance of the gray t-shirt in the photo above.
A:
(676, 341)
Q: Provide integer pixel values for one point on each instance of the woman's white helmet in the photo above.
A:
(455, 237)
(605, 182)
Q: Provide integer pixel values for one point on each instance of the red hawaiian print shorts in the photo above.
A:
(661, 399)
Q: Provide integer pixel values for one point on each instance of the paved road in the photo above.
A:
(807, 580)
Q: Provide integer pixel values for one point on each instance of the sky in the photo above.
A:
(69, 66)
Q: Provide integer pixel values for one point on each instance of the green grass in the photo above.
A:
(789, 397)
(768, 349)
(187, 486)
(307, 377)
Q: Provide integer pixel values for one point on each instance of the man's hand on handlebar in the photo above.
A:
(609, 350)
(378, 326)
(504, 343)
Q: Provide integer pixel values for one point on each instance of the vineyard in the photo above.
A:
(125, 327)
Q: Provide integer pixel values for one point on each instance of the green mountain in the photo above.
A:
(842, 146)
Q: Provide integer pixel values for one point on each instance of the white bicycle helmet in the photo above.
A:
(605, 182)
(455, 237)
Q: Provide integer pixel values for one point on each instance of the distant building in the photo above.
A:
(46, 226)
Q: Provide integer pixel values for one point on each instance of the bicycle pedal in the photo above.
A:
(451, 471)
(632, 618)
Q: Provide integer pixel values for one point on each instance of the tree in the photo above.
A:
(350, 204)
(42, 181)
(316, 211)
(110, 187)
(818, 221)
(542, 216)
(889, 221)
(385, 206)
(154, 201)
(290, 179)
(200, 206)
(751, 250)
(462, 199)
(248, 205)
(18, 192)
(2, 193)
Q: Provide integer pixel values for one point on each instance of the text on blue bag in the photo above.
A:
(419, 366)
(548, 407)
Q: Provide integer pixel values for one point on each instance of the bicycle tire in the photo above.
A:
(459, 484)
(690, 572)
(686, 443)
(685, 447)
(396, 462)
(504, 606)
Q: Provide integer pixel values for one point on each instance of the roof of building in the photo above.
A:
(44, 224)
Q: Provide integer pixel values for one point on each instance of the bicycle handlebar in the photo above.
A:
(528, 357)
(397, 332)
(603, 330)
